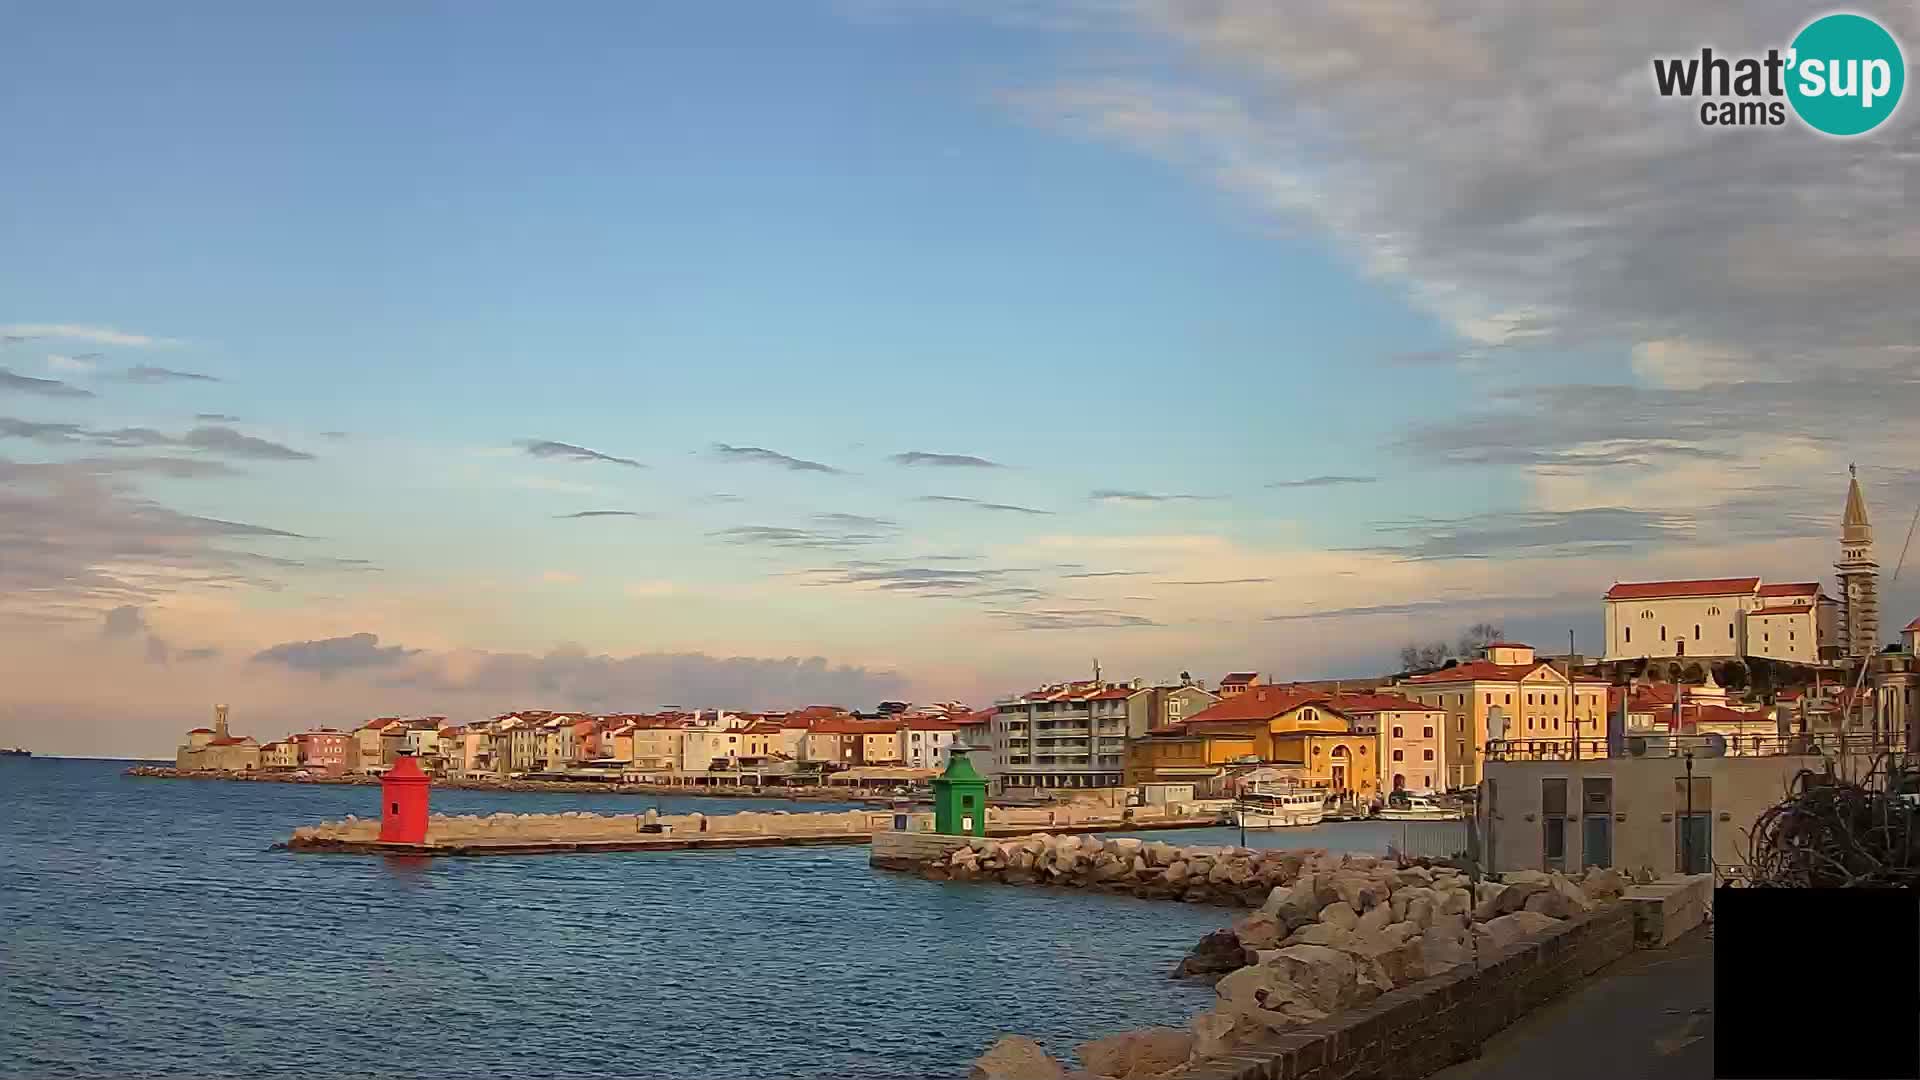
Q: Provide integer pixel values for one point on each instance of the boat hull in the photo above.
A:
(1288, 818)
(1420, 815)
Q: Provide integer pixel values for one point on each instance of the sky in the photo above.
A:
(457, 358)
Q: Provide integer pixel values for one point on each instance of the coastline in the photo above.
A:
(574, 787)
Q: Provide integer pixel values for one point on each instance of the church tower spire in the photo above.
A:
(1859, 576)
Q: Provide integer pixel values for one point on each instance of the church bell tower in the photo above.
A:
(1859, 576)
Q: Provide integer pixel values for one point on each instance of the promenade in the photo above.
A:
(1648, 1015)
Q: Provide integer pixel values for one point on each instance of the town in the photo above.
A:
(1729, 673)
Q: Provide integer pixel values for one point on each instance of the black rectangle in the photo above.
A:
(1816, 984)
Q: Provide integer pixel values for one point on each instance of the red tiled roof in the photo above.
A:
(764, 728)
(209, 731)
(1507, 645)
(231, 741)
(1371, 703)
(381, 723)
(1660, 590)
(1117, 694)
(1480, 669)
(1798, 588)
(1914, 625)
(928, 723)
(1720, 714)
(1237, 677)
(1258, 703)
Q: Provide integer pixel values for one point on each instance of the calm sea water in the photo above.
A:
(147, 931)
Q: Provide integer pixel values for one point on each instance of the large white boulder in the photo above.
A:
(1015, 1057)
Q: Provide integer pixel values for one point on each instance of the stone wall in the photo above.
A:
(1665, 909)
(1414, 1031)
(912, 850)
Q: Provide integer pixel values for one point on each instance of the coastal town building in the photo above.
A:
(323, 751)
(927, 743)
(217, 749)
(1238, 682)
(1406, 735)
(1149, 707)
(282, 754)
(1507, 693)
(1302, 734)
(1067, 735)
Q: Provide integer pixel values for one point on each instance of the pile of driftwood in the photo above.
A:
(1835, 834)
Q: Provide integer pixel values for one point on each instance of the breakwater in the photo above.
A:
(813, 793)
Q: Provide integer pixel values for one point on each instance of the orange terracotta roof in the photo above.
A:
(1117, 694)
(1660, 590)
(928, 723)
(1236, 678)
(1258, 703)
(1798, 588)
(231, 741)
(1508, 645)
(1370, 703)
(209, 731)
(1914, 625)
(1481, 669)
(764, 728)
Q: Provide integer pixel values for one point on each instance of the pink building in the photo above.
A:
(324, 751)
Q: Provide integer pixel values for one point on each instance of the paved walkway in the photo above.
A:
(1648, 1015)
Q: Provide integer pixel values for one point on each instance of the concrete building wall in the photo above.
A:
(1409, 745)
(1792, 636)
(1648, 797)
(1667, 627)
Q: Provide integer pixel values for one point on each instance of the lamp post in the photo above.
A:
(1686, 824)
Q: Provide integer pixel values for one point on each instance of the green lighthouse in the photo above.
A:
(960, 798)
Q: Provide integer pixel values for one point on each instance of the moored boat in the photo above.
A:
(1264, 806)
(1419, 808)
(14, 751)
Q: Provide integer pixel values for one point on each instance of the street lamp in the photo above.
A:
(1686, 823)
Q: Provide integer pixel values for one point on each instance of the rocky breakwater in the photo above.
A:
(1235, 877)
(1338, 933)
(579, 827)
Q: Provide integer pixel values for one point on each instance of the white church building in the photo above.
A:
(1725, 618)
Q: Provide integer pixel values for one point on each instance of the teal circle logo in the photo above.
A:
(1845, 74)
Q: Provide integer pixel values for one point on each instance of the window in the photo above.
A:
(1556, 725)
(1529, 699)
(1460, 749)
(1729, 631)
(1764, 638)
(1529, 723)
(1429, 733)
(1663, 633)
(1427, 780)
(1629, 633)
(1398, 756)
(1647, 614)
(1426, 755)
(1696, 631)
(1789, 635)
(1400, 732)
(1556, 699)
(1713, 611)
(1508, 701)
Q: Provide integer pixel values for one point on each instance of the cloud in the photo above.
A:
(79, 363)
(328, 657)
(124, 621)
(145, 373)
(213, 439)
(1073, 619)
(542, 448)
(1537, 533)
(76, 532)
(335, 435)
(1221, 581)
(922, 457)
(782, 537)
(1005, 508)
(571, 677)
(1105, 573)
(1409, 608)
(218, 418)
(98, 335)
(857, 522)
(584, 514)
(764, 456)
(1111, 495)
(1331, 480)
(27, 384)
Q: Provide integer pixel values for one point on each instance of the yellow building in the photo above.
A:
(217, 750)
(1299, 730)
(1508, 694)
(280, 755)
(657, 748)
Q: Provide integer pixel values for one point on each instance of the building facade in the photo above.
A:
(926, 743)
(1859, 621)
(1507, 694)
(1301, 733)
(1068, 735)
(324, 751)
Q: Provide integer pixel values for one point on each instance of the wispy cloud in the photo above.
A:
(27, 384)
(857, 522)
(584, 514)
(1330, 480)
(1005, 508)
(1105, 573)
(763, 456)
(922, 457)
(217, 418)
(98, 335)
(1221, 581)
(146, 373)
(543, 448)
(211, 438)
(782, 537)
(1073, 619)
(1113, 495)
(1410, 608)
(79, 363)
(1551, 534)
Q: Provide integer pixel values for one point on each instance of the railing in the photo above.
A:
(1699, 745)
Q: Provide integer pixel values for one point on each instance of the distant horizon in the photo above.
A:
(855, 350)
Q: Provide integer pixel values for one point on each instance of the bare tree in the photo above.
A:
(1477, 637)
(1425, 657)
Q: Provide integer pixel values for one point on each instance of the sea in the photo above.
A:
(149, 929)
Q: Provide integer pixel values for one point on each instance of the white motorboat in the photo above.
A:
(1419, 808)
(1267, 807)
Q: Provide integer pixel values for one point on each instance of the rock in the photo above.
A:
(1420, 911)
(1359, 892)
(1265, 996)
(1602, 884)
(1177, 872)
(1340, 915)
(1216, 954)
(1320, 934)
(1642, 876)
(1259, 931)
(1298, 897)
(1549, 903)
(1126, 845)
(1015, 1057)
(1412, 877)
(1441, 951)
(1573, 894)
(1404, 897)
(1374, 921)
(1453, 902)
(1328, 978)
(1507, 929)
(1214, 1034)
(1515, 877)
(1514, 897)
(1143, 1053)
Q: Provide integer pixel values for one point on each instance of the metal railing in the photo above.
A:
(1824, 744)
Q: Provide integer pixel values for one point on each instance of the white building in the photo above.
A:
(1720, 618)
(925, 741)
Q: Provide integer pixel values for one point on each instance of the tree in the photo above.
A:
(1425, 657)
(1673, 672)
(1733, 675)
(1693, 673)
(1477, 637)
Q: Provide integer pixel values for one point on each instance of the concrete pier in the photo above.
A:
(574, 832)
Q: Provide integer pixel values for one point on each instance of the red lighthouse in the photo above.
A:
(403, 803)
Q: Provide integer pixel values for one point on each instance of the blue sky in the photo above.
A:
(1098, 247)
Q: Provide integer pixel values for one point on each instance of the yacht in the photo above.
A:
(1419, 808)
(15, 751)
(1264, 806)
